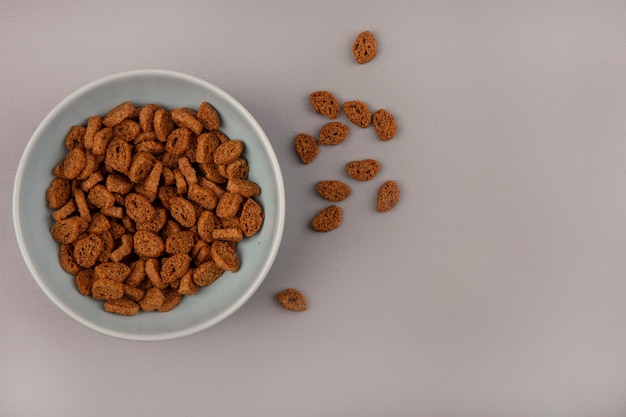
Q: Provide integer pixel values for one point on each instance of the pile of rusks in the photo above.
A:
(335, 132)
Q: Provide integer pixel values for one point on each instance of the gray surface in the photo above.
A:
(497, 285)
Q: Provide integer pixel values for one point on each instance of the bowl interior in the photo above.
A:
(33, 220)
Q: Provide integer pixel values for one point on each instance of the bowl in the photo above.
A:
(32, 217)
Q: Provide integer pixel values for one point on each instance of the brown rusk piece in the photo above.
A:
(171, 300)
(183, 211)
(224, 256)
(388, 196)
(139, 208)
(69, 229)
(163, 124)
(333, 133)
(106, 289)
(180, 242)
(363, 170)
(118, 156)
(66, 259)
(306, 148)
(244, 188)
(333, 190)
(75, 137)
(146, 117)
(58, 193)
(365, 47)
(292, 300)
(183, 118)
(251, 218)
(94, 124)
(228, 152)
(206, 273)
(84, 281)
(115, 271)
(118, 114)
(228, 234)
(148, 244)
(228, 205)
(325, 103)
(327, 219)
(174, 267)
(384, 124)
(87, 250)
(126, 130)
(72, 165)
(358, 113)
(187, 285)
(209, 116)
(152, 300)
(122, 306)
(238, 169)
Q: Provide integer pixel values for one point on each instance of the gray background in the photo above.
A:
(497, 286)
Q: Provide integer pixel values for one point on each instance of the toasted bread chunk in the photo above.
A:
(327, 219)
(365, 47)
(325, 103)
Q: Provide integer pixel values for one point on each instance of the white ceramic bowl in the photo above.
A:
(32, 219)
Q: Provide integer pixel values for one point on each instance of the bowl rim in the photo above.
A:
(274, 244)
